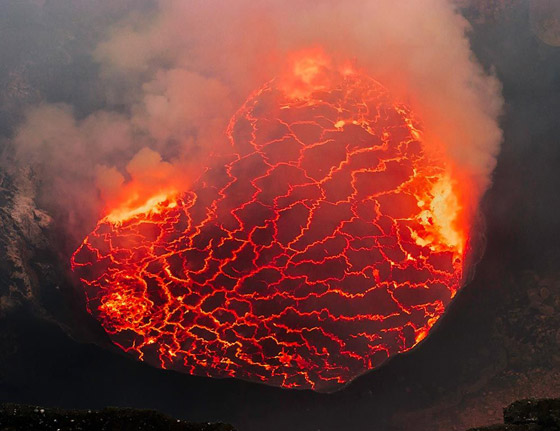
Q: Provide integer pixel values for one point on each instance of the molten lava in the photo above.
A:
(326, 242)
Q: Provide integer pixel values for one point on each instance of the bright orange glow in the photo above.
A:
(439, 217)
(134, 207)
(308, 71)
(328, 241)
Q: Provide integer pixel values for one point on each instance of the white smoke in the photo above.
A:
(181, 71)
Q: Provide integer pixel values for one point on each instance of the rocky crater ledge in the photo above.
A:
(15, 417)
(529, 415)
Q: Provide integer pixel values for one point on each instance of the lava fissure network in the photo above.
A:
(327, 241)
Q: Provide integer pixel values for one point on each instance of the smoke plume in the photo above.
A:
(173, 76)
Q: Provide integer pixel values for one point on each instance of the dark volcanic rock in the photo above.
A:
(529, 415)
(524, 427)
(543, 412)
(14, 417)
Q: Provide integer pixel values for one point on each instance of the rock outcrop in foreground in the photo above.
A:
(14, 417)
(529, 415)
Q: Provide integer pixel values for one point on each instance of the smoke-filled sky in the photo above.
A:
(167, 76)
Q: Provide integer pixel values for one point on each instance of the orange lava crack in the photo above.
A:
(326, 242)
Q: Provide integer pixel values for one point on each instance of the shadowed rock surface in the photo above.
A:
(15, 417)
(529, 415)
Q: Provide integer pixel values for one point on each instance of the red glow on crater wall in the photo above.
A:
(328, 241)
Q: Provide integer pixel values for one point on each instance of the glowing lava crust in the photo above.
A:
(326, 242)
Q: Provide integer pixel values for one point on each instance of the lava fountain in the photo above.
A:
(329, 239)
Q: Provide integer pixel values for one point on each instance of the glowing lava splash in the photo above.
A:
(326, 242)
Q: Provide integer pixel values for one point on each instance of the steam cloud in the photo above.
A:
(174, 76)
